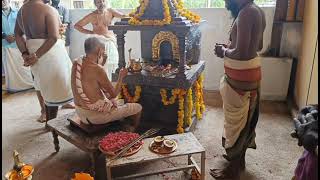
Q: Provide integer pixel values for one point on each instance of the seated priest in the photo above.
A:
(94, 95)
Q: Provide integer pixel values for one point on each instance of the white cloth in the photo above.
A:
(17, 76)
(112, 52)
(115, 114)
(52, 73)
(235, 108)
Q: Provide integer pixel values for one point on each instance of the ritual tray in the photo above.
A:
(89, 129)
(130, 152)
(161, 149)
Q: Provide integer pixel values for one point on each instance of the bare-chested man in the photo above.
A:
(44, 52)
(240, 86)
(94, 95)
(100, 20)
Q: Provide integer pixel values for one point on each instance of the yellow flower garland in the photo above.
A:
(135, 20)
(181, 112)
(199, 104)
(174, 94)
(128, 97)
(185, 12)
(190, 107)
(180, 93)
(172, 100)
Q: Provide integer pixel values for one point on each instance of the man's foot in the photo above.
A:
(226, 170)
(68, 106)
(42, 118)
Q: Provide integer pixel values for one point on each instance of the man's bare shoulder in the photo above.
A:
(250, 13)
(250, 10)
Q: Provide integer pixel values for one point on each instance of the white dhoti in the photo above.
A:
(112, 52)
(52, 73)
(17, 76)
(118, 113)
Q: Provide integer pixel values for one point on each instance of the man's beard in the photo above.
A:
(233, 8)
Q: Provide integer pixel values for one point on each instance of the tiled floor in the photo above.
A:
(275, 158)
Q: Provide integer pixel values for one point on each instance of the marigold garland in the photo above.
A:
(190, 107)
(199, 104)
(135, 20)
(181, 112)
(174, 94)
(172, 100)
(178, 4)
(128, 97)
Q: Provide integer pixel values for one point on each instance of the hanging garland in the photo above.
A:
(180, 93)
(185, 12)
(190, 107)
(135, 20)
(199, 104)
(174, 94)
(181, 112)
(128, 97)
(172, 100)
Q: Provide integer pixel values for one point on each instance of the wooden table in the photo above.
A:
(187, 146)
(88, 143)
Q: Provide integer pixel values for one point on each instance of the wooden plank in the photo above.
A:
(279, 15)
(187, 145)
(167, 170)
(74, 135)
(195, 164)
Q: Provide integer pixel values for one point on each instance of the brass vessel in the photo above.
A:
(20, 171)
(134, 64)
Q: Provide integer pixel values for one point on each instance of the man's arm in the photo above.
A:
(84, 21)
(20, 41)
(116, 13)
(106, 85)
(52, 23)
(244, 28)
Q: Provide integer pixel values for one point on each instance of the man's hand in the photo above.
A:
(105, 57)
(25, 58)
(219, 50)
(123, 73)
(31, 60)
(10, 39)
(62, 28)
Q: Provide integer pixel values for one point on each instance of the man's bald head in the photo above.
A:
(92, 44)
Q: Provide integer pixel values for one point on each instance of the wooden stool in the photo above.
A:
(79, 138)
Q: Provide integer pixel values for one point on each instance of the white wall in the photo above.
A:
(215, 30)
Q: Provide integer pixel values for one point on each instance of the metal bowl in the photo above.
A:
(26, 170)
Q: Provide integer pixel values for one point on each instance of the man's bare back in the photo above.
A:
(257, 17)
(90, 73)
(35, 16)
(246, 34)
